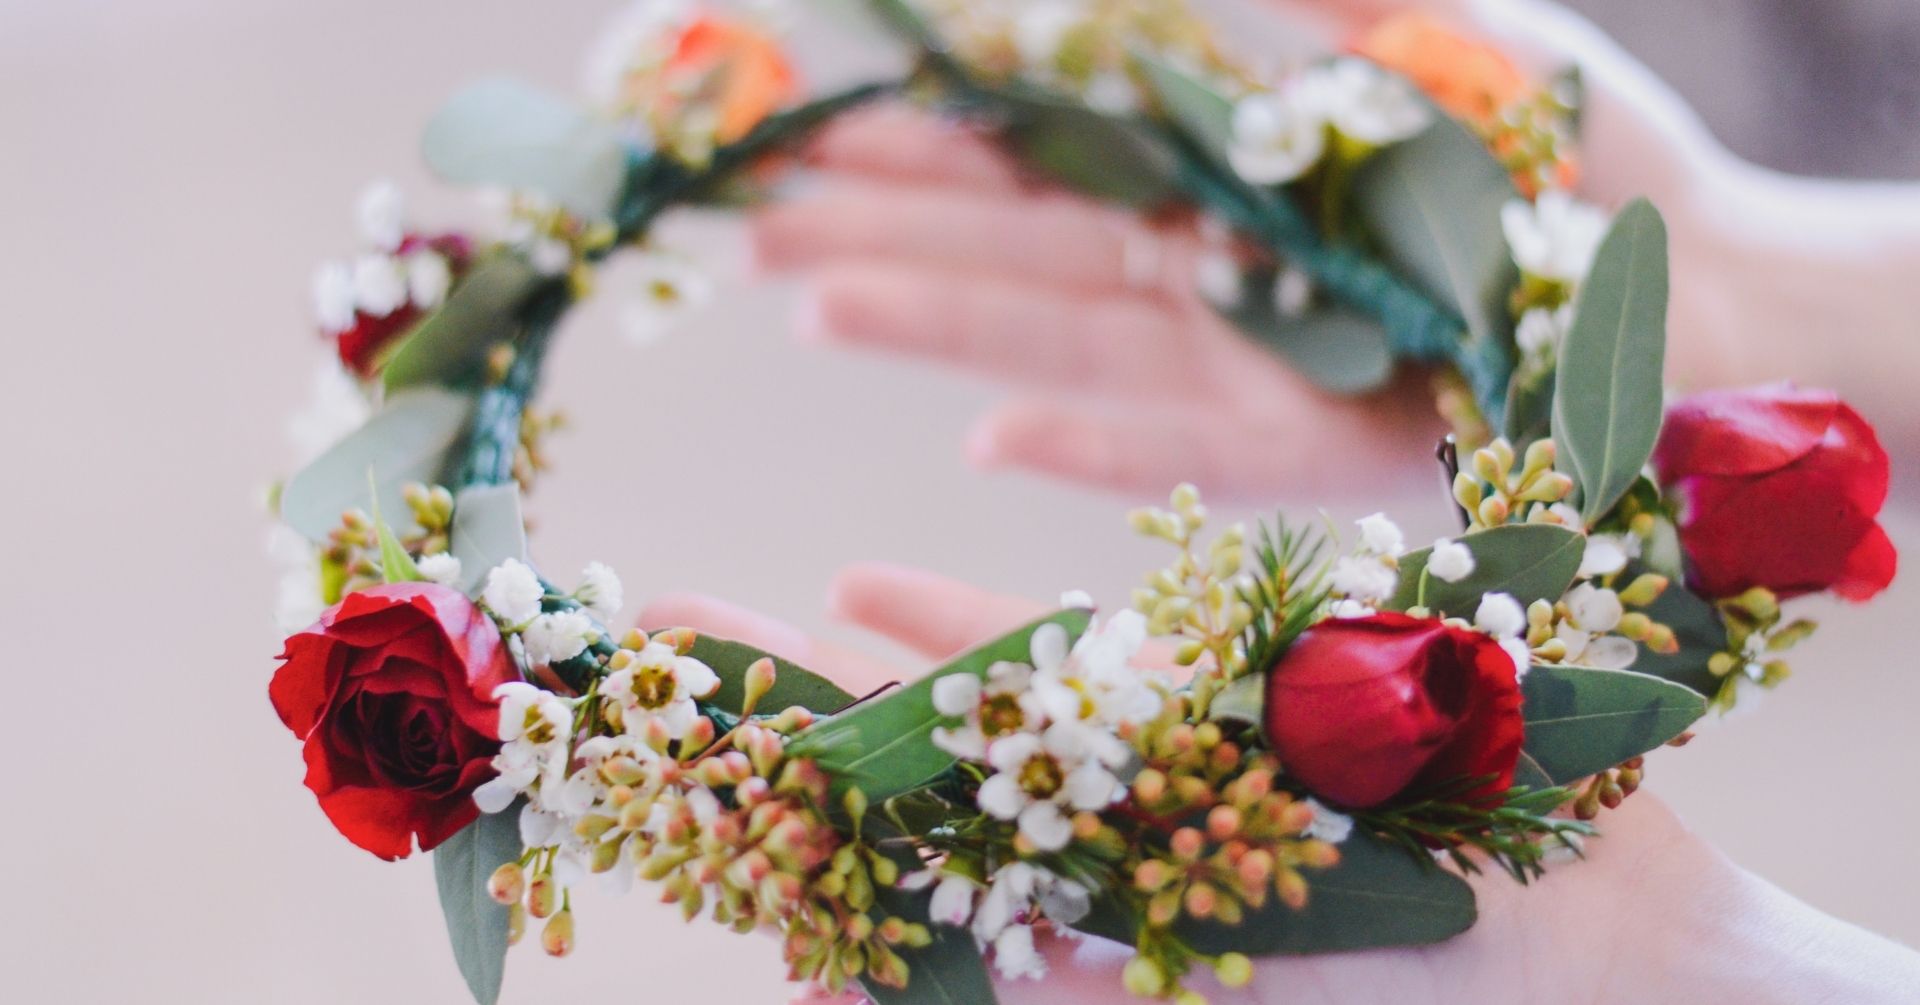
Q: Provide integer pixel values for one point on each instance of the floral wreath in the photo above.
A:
(1354, 715)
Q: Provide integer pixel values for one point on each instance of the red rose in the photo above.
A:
(392, 690)
(361, 345)
(1779, 487)
(1363, 709)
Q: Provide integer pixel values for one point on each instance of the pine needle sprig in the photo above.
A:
(1286, 592)
(1515, 835)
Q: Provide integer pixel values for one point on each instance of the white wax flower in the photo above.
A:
(1275, 137)
(1554, 237)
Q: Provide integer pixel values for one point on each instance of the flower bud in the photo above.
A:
(557, 937)
(1143, 977)
(761, 676)
(507, 884)
(516, 924)
(543, 895)
(1644, 590)
(1234, 969)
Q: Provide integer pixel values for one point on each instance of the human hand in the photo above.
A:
(926, 242)
(1651, 914)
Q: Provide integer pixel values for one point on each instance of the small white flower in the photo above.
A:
(1365, 103)
(333, 297)
(513, 592)
(379, 285)
(561, 635)
(667, 290)
(1216, 277)
(601, 591)
(1014, 955)
(441, 568)
(428, 278)
(1037, 779)
(1097, 684)
(549, 257)
(1381, 535)
(1500, 616)
(1541, 330)
(1517, 651)
(1350, 609)
(1610, 652)
(1594, 609)
(659, 684)
(956, 694)
(1005, 704)
(1292, 292)
(532, 714)
(1451, 561)
(1607, 554)
(1328, 825)
(1555, 237)
(1276, 138)
(952, 902)
(1364, 578)
(1077, 600)
(381, 214)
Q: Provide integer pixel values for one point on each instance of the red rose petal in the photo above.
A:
(1870, 567)
(1747, 431)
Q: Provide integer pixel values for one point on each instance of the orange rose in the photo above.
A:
(737, 68)
(1469, 78)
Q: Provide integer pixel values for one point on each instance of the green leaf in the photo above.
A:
(1607, 405)
(1379, 895)
(1433, 203)
(1338, 348)
(506, 133)
(1697, 628)
(885, 746)
(450, 346)
(396, 566)
(1530, 561)
(1244, 700)
(948, 971)
(1116, 158)
(406, 441)
(1582, 720)
(476, 923)
(487, 530)
(1194, 106)
(792, 685)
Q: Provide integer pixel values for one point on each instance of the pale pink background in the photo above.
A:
(170, 175)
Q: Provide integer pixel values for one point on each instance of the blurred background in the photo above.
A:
(171, 174)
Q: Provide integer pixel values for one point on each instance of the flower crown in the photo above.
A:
(1347, 715)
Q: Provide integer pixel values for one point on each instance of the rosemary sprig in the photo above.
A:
(1515, 834)
(1286, 593)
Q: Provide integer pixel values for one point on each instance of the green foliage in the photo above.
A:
(487, 530)
(1288, 590)
(1201, 113)
(408, 440)
(948, 971)
(1243, 700)
(1118, 159)
(1337, 347)
(1530, 561)
(885, 746)
(1379, 895)
(1607, 404)
(1433, 203)
(476, 923)
(1698, 630)
(1582, 720)
(1515, 835)
(512, 135)
(793, 685)
(450, 347)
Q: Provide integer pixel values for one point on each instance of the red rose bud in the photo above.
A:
(1779, 487)
(392, 690)
(1361, 710)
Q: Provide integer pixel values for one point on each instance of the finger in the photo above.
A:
(1307, 448)
(933, 615)
(855, 671)
(1120, 345)
(905, 145)
(1042, 238)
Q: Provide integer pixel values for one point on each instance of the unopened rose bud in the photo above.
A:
(507, 884)
(557, 937)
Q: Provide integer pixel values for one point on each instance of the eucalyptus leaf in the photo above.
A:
(792, 685)
(506, 133)
(1530, 561)
(1244, 700)
(451, 345)
(1116, 158)
(885, 746)
(406, 441)
(1607, 402)
(1197, 108)
(487, 530)
(476, 923)
(1379, 895)
(1333, 345)
(1583, 720)
(1433, 203)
